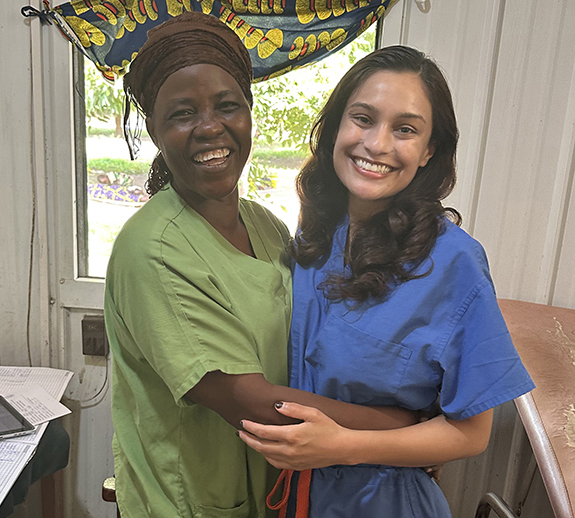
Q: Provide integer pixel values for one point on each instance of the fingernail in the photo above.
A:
(242, 424)
(279, 404)
(238, 433)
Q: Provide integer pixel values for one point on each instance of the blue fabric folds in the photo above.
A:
(438, 335)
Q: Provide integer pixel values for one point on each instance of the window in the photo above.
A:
(110, 187)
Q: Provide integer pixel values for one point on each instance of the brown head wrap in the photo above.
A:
(192, 38)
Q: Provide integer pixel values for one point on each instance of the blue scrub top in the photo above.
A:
(442, 334)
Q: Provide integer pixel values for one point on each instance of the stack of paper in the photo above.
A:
(35, 392)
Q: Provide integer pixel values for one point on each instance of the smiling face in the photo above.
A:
(383, 139)
(202, 125)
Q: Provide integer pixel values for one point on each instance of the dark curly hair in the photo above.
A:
(387, 249)
(158, 176)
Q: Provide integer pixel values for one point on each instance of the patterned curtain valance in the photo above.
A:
(281, 35)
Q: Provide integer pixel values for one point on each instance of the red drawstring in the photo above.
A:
(302, 494)
(286, 475)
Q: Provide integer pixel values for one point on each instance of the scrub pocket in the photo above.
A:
(345, 361)
(241, 511)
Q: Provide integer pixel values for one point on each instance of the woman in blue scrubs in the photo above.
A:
(393, 301)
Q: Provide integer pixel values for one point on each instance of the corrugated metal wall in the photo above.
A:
(511, 67)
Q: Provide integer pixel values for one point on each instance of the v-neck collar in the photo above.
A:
(338, 246)
(258, 247)
(257, 244)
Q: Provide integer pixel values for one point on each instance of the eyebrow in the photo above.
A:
(223, 93)
(404, 115)
(177, 102)
(185, 100)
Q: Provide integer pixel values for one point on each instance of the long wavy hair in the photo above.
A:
(388, 248)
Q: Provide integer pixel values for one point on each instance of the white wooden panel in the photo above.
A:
(16, 210)
(16, 206)
(523, 195)
(393, 24)
(89, 425)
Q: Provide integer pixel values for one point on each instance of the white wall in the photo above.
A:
(24, 304)
(511, 66)
(16, 207)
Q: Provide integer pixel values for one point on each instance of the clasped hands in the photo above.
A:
(318, 441)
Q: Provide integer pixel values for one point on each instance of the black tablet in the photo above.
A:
(12, 422)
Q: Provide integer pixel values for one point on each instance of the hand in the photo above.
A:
(315, 443)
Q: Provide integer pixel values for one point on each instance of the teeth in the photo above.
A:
(210, 155)
(369, 166)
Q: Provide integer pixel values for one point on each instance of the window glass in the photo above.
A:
(112, 187)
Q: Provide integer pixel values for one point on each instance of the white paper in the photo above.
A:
(35, 404)
(13, 458)
(54, 381)
(16, 453)
(32, 438)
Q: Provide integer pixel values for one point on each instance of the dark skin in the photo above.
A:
(237, 397)
(202, 124)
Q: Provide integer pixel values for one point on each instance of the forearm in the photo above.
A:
(250, 396)
(436, 441)
(355, 417)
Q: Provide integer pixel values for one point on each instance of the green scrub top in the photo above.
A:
(180, 302)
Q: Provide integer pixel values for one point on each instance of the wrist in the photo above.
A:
(350, 447)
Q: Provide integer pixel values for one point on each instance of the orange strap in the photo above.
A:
(303, 485)
(302, 501)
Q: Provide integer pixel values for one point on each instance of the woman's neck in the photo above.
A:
(224, 216)
(361, 210)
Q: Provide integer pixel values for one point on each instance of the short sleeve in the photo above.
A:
(482, 368)
(177, 317)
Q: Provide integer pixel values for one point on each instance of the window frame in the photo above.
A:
(81, 164)
(81, 242)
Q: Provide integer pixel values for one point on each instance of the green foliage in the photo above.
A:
(118, 165)
(285, 107)
(259, 180)
(272, 154)
(104, 101)
(273, 157)
(100, 243)
(282, 114)
(93, 131)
